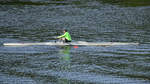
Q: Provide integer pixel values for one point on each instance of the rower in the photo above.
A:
(66, 37)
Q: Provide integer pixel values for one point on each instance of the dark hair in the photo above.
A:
(65, 30)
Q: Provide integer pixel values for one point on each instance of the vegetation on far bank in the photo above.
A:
(129, 3)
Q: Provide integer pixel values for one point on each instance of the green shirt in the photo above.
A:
(66, 35)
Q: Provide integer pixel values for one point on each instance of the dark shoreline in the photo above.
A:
(126, 3)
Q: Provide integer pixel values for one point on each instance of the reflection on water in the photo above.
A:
(65, 58)
(65, 61)
(130, 3)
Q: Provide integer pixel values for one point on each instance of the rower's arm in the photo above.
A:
(61, 36)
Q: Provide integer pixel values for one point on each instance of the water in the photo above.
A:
(86, 21)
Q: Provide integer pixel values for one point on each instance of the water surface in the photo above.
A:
(91, 21)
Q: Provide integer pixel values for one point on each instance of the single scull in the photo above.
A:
(71, 43)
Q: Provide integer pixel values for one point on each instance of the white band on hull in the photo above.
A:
(71, 43)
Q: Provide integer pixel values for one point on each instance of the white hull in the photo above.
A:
(71, 43)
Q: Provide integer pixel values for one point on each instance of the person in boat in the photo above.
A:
(66, 37)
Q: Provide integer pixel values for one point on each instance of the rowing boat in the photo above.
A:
(71, 43)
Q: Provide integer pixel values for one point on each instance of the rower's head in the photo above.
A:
(65, 30)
